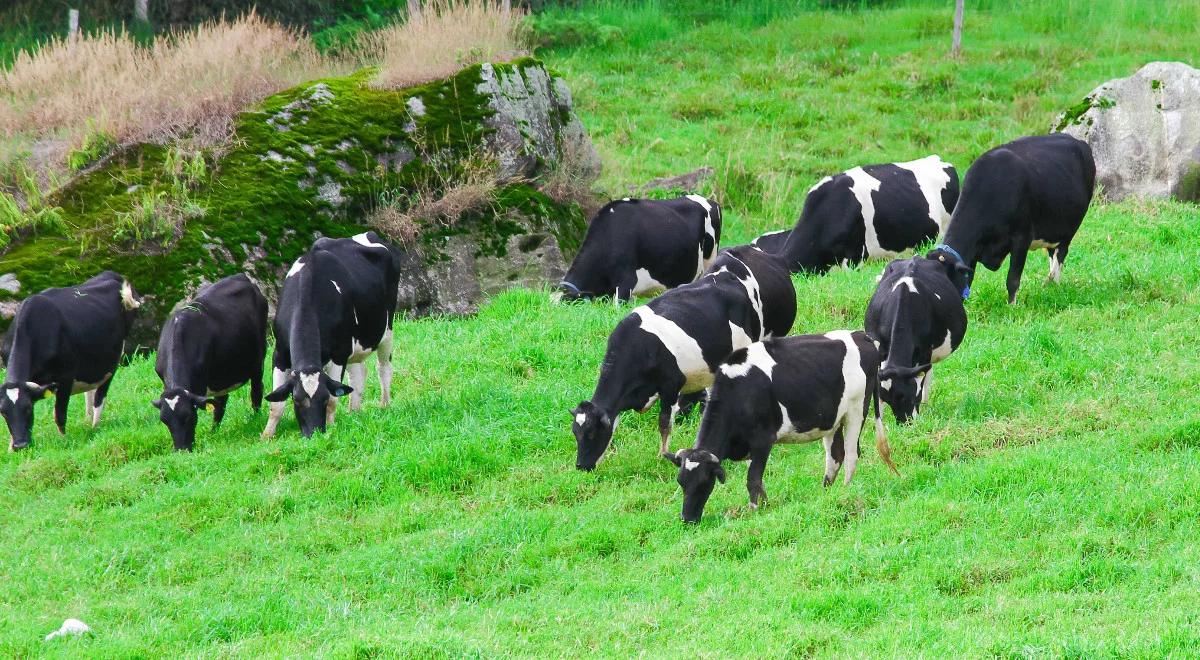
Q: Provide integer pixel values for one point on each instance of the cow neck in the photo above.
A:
(304, 329)
(794, 253)
(714, 434)
(584, 271)
(20, 357)
(182, 365)
(618, 378)
(964, 238)
(900, 342)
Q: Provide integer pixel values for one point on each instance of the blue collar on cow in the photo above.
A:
(570, 286)
(954, 253)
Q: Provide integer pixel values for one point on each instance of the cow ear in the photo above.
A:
(157, 403)
(720, 472)
(338, 389)
(674, 458)
(282, 392)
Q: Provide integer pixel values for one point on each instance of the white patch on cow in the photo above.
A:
(701, 201)
(941, 352)
(689, 359)
(701, 262)
(358, 353)
(1055, 268)
(932, 178)
(172, 402)
(363, 239)
(937, 296)
(127, 300)
(96, 414)
(580, 418)
(646, 284)
(863, 185)
(756, 357)
(738, 337)
(80, 386)
(768, 234)
(649, 402)
(886, 384)
(335, 285)
(309, 382)
(296, 268)
(852, 373)
(689, 464)
(789, 434)
(13, 393)
(906, 281)
(752, 293)
(820, 183)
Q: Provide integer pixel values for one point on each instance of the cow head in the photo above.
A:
(959, 273)
(16, 404)
(899, 388)
(699, 471)
(312, 396)
(177, 409)
(570, 292)
(593, 430)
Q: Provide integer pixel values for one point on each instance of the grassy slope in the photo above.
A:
(1048, 504)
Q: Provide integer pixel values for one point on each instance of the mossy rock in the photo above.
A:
(313, 161)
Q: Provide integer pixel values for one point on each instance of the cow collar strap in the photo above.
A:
(570, 286)
(966, 292)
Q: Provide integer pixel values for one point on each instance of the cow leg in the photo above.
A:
(101, 395)
(834, 453)
(219, 404)
(256, 390)
(62, 398)
(668, 407)
(926, 384)
(851, 430)
(384, 367)
(276, 410)
(89, 402)
(1058, 255)
(330, 411)
(754, 484)
(358, 379)
(1016, 266)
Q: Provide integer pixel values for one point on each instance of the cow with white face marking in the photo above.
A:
(786, 390)
(917, 316)
(62, 342)
(209, 347)
(637, 247)
(870, 212)
(335, 311)
(1029, 194)
(671, 345)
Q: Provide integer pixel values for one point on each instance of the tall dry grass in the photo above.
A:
(190, 82)
(447, 36)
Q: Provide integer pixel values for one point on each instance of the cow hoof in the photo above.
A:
(827, 481)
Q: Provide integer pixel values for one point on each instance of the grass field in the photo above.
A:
(1048, 504)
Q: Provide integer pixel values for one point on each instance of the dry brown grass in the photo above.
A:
(448, 35)
(190, 82)
(441, 200)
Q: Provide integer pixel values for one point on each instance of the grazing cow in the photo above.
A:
(1028, 194)
(209, 347)
(63, 342)
(876, 211)
(335, 310)
(786, 390)
(917, 316)
(638, 247)
(671, 345)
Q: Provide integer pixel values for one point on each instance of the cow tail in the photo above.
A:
(881, 440)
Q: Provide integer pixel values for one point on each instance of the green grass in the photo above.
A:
(1047, 508)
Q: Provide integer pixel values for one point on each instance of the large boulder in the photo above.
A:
(1144, 131)
(319, 160)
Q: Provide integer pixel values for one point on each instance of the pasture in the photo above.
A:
(1048, 504)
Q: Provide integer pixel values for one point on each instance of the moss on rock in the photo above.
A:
(308, 161)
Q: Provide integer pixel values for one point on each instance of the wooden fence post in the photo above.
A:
(72, 24)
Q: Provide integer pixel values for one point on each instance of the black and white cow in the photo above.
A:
(1029, 194)
(917, 316)
(876, 211)
(63, 342)
(335, 310)
(671, 345)
(772, 242)
(209, 347)
(786, 390)
(637, 247)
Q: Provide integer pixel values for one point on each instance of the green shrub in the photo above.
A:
(569, 30)
(96, 145)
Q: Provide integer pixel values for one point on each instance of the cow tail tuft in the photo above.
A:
(881, 440)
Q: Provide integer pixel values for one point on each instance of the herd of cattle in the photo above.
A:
(716, 335)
